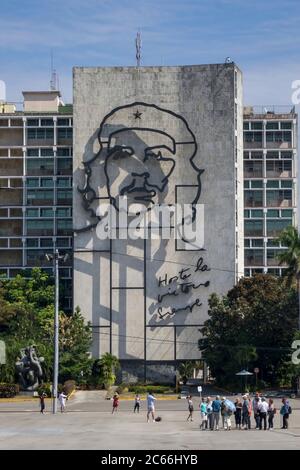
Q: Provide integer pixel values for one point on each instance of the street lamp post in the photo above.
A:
(55, 258)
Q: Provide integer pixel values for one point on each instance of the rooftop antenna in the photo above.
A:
(53, 81)
(138, 47)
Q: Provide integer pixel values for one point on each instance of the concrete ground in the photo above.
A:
(89, 424)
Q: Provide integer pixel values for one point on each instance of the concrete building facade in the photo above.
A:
(270, 184)
(36, 186)
(147, 299)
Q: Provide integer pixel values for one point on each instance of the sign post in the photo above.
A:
(200, 391)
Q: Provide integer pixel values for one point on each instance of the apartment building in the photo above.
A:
(270, 184)
(36, 186)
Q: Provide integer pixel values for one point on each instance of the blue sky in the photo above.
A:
(262, 37)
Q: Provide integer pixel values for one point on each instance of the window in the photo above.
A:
(64, 212)
(247, 214)
(257, 242)
(32, 242)
(256, 125)
(32, 182)
(253, 198)
(47, 122)
(40, 134)
(287, 184)
(257, 155)
(46, 183)
(64, 224)
(246, 126)
(33, 122)
(32, 152)
(47, 212)
(272, 213)
(65, 133)
(272, 125)
(63, 183)
(278, 198)
(64, 152)
(287, 213)
(47, 152)
(287, 155)
(67, 194)
(272, 184)
(257, 184)
(46, 242)
(274, 227)
(246, 242)
(63, 242)
(253, 169)
(32, 213)
(257, 214)
(62, 122)
(254, 257)
(253, 227)
(272, 155)
(286, 125)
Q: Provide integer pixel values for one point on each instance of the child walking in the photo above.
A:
(115, 403)
(190, 407)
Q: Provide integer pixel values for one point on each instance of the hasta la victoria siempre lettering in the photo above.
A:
(112, 460)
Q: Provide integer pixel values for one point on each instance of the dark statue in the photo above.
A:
(28, 369)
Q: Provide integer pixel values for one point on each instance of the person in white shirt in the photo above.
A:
(263, 412)
(62, 400)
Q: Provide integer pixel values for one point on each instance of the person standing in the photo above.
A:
(62, 400)
(209, 412)
(246, 412)
(256, 407)
(203, 414)
(42, 402)
(285, 412)
(116, 402)
(238, 413)
(216, 408)
(150, 405)
(271, 414)
(137, 403)
(263, 411)
(190, 407)
(223, 411)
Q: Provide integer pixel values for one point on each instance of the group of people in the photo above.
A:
(137, 403)
(262, 410)
(62, 397)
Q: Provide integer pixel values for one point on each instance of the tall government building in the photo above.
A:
(36, 185)
(161, 135)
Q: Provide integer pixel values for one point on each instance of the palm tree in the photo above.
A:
(291, 257)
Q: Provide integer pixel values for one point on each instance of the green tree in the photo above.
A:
(105, 369)
(27, 317)
(252, 326)
(185, 370)
(291, 257)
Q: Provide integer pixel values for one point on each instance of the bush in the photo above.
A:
(69, 386)
(8, 390)
(122, 388)
(149, 388)
(45, 388)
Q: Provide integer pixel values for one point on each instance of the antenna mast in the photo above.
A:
(138, 47)
(53, 81)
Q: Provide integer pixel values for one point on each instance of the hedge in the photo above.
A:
(8, 390)
(149, 388)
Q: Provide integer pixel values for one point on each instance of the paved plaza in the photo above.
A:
(89, 424)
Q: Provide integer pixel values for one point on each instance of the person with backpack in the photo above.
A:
(228, 412)
(256, 413)
(216, 408)
(285, 412)
(271, 414)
